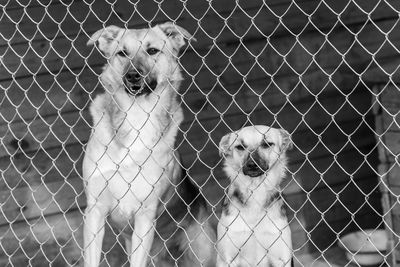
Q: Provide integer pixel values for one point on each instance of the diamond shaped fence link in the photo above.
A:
(325, 71)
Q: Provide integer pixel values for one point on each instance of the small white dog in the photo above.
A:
(130, 169)
(253, 229)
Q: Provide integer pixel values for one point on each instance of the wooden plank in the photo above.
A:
(98, 13)
(41, 200)
(115, 254)
(64, 163)
(34, 236)
(325, 235)
(303, 224)
(290, 199)
(384, 74)
(306, 141)
(303, 176)
(53, 241)
(75, 83)
(63, 54)
(349, 200)
(59, 163)
(48, 22)
(62, 228)
(327, 201)
(286, 116)
(45, 239)
(67, 164)
(45, 58)
(73, 127)
(309, 180)
(239, 16)
(62, 160)
(44, 95)
(313, 43)
(9, 5)
(305, 165)
(52, 192)
(44, 133)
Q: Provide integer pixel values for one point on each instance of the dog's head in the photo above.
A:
(255, 150)
(141, 60)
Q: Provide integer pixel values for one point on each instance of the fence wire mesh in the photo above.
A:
(325, 71)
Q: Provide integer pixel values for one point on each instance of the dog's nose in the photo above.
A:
(252, 169)
(133, 77)
(252, 165)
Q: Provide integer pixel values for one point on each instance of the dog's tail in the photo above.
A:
(183, 224)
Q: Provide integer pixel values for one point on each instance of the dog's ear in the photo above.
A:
(176, 34)
(224, 145)
(107, 39)
(286, 142)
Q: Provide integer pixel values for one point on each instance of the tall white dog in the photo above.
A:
(253, 229)
(130, 165)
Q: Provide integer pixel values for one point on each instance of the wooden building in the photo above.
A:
(296, 64)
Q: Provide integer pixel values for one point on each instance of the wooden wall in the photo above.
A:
(290, 64)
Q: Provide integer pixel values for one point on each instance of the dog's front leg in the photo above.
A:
(142, 237)
(93, 233)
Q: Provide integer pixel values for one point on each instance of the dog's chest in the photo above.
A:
(130, 153)
(134, 176)
(252, 229)
(140, 130)
(137, 195)
(244, 211)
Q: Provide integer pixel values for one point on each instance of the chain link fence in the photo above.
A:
(326, 71)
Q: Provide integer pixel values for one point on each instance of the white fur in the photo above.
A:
(252, 234)
(129, 160)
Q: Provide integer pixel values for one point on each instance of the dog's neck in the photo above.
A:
(138, 124)
(258, 199)
(256, 190)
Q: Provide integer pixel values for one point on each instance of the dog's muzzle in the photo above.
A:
(254, 168)
(136, 84)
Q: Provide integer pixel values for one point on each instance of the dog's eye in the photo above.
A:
(239, 147)
(152, 51)
(122, 53)
(267, 144)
